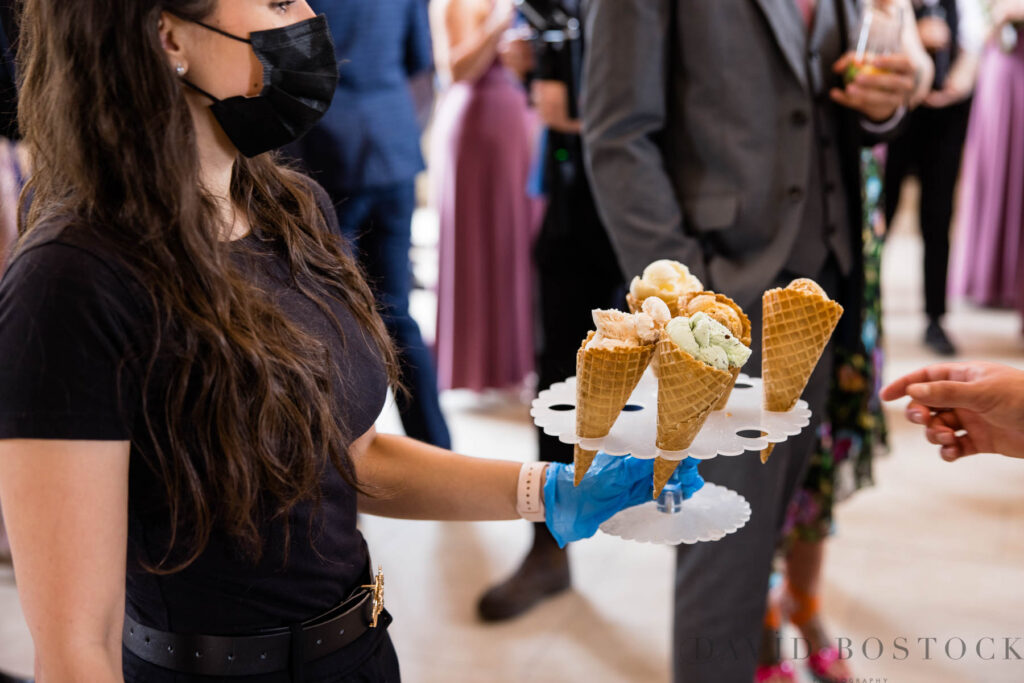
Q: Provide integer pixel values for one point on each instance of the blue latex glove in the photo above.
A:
(686, 478)
(612, 483)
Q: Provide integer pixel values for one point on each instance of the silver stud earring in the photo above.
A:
(180, 69)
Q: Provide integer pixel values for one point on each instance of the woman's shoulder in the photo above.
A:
(69, 257)
(69, 317)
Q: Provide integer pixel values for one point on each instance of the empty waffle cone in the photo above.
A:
(797, 326)
(605, 378)
(582, 459)
(726, 311)
(663, 471)
(688, 391)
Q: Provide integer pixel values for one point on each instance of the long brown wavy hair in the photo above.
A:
(249, 406)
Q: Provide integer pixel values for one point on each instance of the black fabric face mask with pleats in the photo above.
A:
(300, 74)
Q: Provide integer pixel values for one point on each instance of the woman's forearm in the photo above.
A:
(66, 510)
(413, 480)
(468, 60)
(80, 665)
(964, 72)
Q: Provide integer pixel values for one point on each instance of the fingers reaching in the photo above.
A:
(944, 429)
(932, 373)
(940, 434)
(950, 453)
(951, 445)
(948, 394)
(919, 413)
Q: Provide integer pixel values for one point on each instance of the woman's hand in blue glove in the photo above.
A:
(613, 483)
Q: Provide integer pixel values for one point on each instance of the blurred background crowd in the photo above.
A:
(456, 154)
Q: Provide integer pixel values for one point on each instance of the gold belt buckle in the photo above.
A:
(378, 595)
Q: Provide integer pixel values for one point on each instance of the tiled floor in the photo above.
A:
(935, 550)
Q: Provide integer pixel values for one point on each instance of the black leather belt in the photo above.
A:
(265, 652)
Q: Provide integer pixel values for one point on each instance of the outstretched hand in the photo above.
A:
(966, 408)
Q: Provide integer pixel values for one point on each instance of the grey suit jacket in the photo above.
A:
(696, 131)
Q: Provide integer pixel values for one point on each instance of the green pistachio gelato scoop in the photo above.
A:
(708, 340)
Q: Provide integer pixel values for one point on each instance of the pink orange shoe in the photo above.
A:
(826, 666)
(783, 672)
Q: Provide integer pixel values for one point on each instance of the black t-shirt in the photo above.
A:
(74, 331)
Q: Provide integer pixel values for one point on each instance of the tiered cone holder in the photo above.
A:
(713, 511)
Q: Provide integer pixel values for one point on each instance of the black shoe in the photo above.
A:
(4, 678)
(935, 338)
(543, 573)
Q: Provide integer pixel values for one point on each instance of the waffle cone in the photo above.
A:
(797, 327)
(582, 459)
(724, 401)
(688, 390)
(663, 471)
(604, 380)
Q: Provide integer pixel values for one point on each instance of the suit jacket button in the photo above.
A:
(795, 194)
(799, 118)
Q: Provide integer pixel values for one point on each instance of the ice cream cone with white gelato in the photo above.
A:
(798, 322)
(695, 356)
(609, 365)
(665, 279)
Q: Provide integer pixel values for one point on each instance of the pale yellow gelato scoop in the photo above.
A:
(665, 279)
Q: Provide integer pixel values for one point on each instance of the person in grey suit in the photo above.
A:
(719, 134)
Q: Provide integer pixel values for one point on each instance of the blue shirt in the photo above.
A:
(370, 137)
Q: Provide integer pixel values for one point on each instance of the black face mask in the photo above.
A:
(300, 74)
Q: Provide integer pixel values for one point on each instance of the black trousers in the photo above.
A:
(577, 272)
(930, 148)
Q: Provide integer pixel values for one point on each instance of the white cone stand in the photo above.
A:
(713, 511)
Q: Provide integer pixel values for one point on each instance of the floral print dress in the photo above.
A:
(854, 429)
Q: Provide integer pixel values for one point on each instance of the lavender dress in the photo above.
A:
(481, 155)
(988, 261)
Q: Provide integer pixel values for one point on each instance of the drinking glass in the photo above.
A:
(879, 32)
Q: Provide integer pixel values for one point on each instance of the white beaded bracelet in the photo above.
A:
(530, 493)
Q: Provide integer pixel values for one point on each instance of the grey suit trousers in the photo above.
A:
(721, 586)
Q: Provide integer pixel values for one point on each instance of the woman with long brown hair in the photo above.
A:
(193, 364)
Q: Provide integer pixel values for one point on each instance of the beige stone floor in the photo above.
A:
(935, 550)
